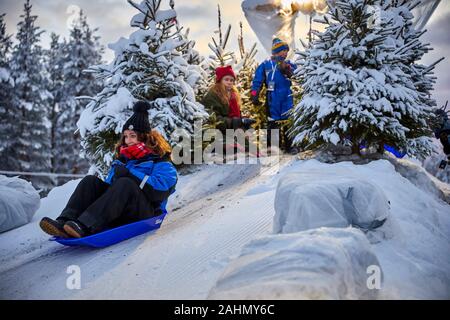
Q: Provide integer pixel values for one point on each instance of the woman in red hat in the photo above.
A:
(224, 100)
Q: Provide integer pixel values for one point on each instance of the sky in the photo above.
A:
(112, 18)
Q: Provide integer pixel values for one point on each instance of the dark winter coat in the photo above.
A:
(156, 177)
(279, 101)
(215, 105)
(443, 133)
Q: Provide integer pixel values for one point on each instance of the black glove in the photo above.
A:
(247, 121)
(121, 171)
(286, 69)
(122, 159)
(255, 101)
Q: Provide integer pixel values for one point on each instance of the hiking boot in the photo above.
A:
(53, 227)
(76, 229)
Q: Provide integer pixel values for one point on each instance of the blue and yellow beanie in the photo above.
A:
(279, 45)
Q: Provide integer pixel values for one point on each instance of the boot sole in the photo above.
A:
(52, 230)
(72, 232)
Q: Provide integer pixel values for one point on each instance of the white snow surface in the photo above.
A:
(217, 218)
(19, 201)
(325, 263)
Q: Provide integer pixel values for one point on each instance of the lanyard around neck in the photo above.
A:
(274, 68)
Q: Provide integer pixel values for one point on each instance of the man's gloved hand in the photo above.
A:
(255, 98)
(285, 69)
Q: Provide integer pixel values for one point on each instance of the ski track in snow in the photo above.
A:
(182, 260)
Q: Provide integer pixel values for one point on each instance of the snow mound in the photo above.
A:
(422, 179)
(412, 247)
(307, 201)
(325, 263)
(19, 201)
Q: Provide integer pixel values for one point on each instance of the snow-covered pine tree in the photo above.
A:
(30, 147)
(5, 42)
(6, 89)
(246, 68)
(221, 55)
(55, 58)
(194, 59)
(356, 84)
(81, 51)
(410, 51)
(148, 66)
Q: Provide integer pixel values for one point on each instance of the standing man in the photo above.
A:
(275, 73)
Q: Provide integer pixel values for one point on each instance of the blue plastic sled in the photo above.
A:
(390, 149)
(394, 151)
(115, 235)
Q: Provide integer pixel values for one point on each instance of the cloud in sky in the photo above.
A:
(112, 17)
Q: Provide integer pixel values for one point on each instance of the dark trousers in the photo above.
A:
(99, 206)
(444, 138)
(285, 143)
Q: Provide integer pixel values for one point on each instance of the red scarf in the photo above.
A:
(235, 111)
(137, 151)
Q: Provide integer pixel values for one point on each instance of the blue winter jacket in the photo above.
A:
(157, 175)
(279, 101)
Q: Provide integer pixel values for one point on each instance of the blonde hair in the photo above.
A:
(220, 90)
(153, 140)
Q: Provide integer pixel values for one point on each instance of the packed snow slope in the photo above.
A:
(216, 215)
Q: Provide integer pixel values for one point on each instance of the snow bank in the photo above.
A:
(421, 178)
(431, 164)
(412, 247)
(28, 242)
(18, 202)
(306, 201)
(325, 263)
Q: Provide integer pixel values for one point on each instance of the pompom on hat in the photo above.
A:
(139, 120)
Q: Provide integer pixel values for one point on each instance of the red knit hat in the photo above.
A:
(224, 71)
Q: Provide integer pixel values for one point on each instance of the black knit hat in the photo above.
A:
(139, 120)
